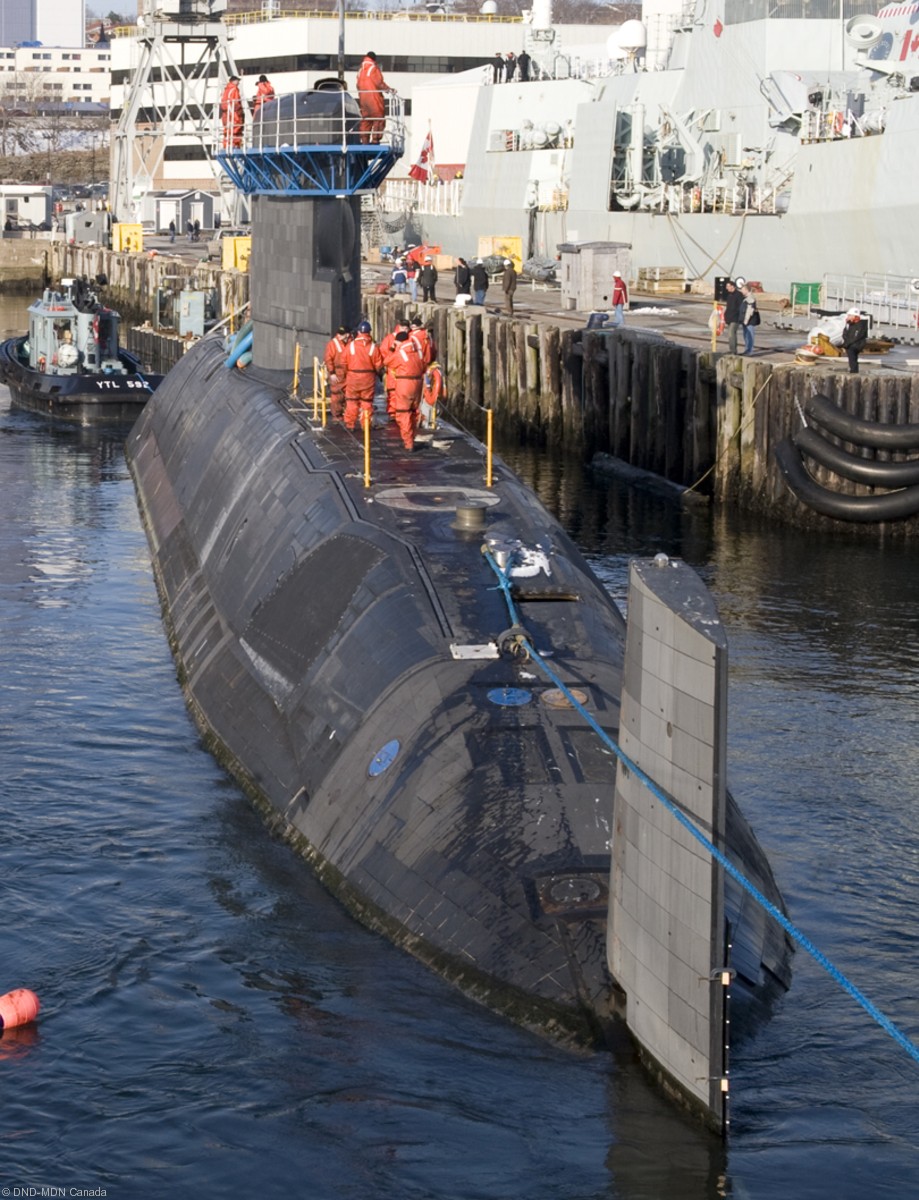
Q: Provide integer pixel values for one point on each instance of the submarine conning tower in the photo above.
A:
(302, 159)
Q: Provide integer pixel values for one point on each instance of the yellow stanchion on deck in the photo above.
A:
(366, 421)
(489, 445)
(295, 386)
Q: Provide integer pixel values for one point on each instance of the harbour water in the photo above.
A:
(214, 1025)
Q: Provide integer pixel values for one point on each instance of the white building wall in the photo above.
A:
(60, 22)
(64, 75)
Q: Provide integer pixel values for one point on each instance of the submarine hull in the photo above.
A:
(350, 659)
(338, 646)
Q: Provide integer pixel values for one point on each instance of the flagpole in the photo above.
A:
(341, 42)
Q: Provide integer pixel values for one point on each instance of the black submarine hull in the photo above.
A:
(342, 649)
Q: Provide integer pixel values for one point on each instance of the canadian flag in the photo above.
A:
(423, 169)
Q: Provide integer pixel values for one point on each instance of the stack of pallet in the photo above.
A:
(661, 281)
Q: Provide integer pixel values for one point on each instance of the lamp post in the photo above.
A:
(92, 160)
(49, 138)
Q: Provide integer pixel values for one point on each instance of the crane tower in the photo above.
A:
(184, 62)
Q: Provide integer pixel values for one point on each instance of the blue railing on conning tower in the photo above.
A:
(313, 143)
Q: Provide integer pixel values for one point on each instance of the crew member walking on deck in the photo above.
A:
(620, 298)
(432, 392)
(854, 337)
(336, 365)
(733, 314)
(421, 336)
(387, 349)
(231, 114)
(497, 68)
(263, 93)
(523, 66)
(509, 286)
(750, 318)
(407, 371)
(370, 89)
(364, 364)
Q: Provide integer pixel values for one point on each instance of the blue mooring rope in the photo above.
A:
(791, 929)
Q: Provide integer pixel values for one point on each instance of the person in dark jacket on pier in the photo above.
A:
(462, 277)
(479, 282)
(854, 337)
(427, 277)
(509, 286)
(733, 314)
(523, 66)
(497, 68)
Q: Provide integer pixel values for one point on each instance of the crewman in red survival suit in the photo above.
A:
(263, 93)
(336, 366)
(231, 114)
(370, 89)
(364, 364)
(423, 340)
(387, 346)
(408, 371)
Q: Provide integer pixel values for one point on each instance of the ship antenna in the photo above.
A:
(341, 42)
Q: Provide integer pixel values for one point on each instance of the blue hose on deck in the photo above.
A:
(241, 344)
(796, 934)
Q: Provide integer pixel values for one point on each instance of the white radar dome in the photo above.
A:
(489, 8)
(613, 49)
(633, 35)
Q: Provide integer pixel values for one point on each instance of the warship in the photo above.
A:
(717, 139)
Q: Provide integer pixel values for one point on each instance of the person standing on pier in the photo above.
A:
(428, 279)
(509, 286)
(370, 89)
(479, 282)
(497, 68)
(854, 337)
(462, 277)
(620, 298)
(751, 317)
(523, 66)
(733, 314)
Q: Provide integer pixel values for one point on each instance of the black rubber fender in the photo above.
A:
(870, 434)
(891, 506)
(850, 466)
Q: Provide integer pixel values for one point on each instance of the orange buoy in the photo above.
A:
(18, 1007)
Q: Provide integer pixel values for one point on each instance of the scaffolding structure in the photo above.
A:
(185, 62)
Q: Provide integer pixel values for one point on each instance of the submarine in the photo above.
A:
(410, 667)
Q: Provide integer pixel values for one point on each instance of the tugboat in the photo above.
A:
(69, 364)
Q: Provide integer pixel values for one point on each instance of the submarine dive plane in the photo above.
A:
(420, 679)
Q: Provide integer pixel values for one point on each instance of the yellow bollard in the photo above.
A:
(366, 422)
(489, 445)
(295, 388)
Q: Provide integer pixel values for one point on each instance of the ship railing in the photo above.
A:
(891, 301)
(278, 126)
(443, 199)
(732, 198)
